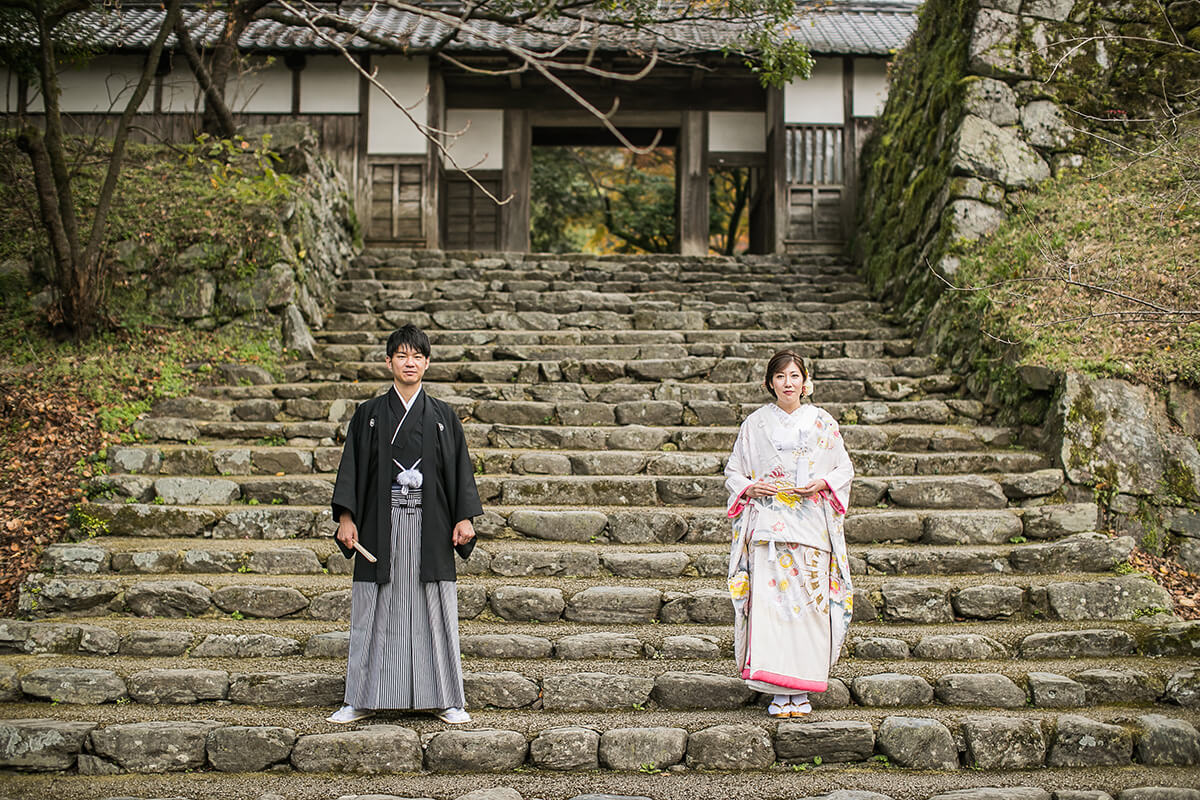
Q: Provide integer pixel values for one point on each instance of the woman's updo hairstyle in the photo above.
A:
(779, 362)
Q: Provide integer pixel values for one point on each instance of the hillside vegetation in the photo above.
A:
(1080, 274)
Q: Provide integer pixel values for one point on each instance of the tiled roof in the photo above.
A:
(874, 28)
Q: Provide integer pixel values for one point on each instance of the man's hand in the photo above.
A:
(347, 532)
(463, 532)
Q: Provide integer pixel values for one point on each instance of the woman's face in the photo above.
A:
(788, 383)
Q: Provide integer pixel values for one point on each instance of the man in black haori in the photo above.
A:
(405, 493)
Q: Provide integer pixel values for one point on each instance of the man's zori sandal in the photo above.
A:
(348, 713)
(453, 716)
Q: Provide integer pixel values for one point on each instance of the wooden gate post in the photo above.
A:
(691, 184)
(517, 171)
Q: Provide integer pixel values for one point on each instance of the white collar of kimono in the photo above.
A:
(408, 404)
(803, 415)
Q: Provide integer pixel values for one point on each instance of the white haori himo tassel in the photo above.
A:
(409, 477)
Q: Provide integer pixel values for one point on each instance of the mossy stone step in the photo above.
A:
(603, 601)
(214, 459)
(1088, 552)
(891, 339)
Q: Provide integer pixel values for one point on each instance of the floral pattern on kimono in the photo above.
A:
(790, 450)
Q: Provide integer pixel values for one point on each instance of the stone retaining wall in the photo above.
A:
(987, 101)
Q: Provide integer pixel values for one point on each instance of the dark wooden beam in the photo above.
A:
(691, 184)
(769, 229)
(849, 150)
(433, 178)
(517, 171)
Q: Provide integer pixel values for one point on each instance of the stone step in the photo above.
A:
(860, 349)
(252, 739)
(639, 415)
(713, 403)
(601, 601)
(567, 402)
(1085, 552)
(219, 459)
(891, 340)
(610, 488)
(645, 685)
(1058, 647)
(366, 333)
(595, 524)
(604, 370)
(622, 297)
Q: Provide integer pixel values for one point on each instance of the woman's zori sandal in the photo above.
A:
(786, 706)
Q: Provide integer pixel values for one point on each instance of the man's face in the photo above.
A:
(407, 366)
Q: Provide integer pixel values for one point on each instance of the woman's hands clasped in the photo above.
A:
(761, 488)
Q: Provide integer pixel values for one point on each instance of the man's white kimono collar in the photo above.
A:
(408, 404)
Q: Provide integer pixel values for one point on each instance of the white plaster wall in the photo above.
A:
(264, 88)
(328, 85)
(870, 86)
(181, 93)
(482, 144)
(104, 84)
(737, 131)
(818, 99)
(388, 130)
(9, 90)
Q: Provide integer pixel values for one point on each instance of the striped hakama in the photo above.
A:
(404, 634)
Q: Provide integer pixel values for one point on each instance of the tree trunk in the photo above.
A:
(217, 116)
(79, 271)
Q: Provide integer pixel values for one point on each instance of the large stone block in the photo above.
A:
(178, 686)
(1051, 522)
(75, 559)
(155, 746)
(1101, 686)
(376, 749)
(41, 595)
(1162, 741)
(1082, 552)
(562, 526)
(833, 741)
(608, 605)
(700, 690)
(1124, 597)
(988, 601)
(245, 645)
(525, 603)
(918, 743)
(565, 748)
(959, 647)
(499, 689)
(947, 492)
(74, 685)
(1096, 643)
(733, 747)
(916, 601)
(1055, 691)
(891, 689)
(992, 100)
(982, 690)
(632, 749)
(41, 744)
(985, 149)
(475, 751)
(1004, 742)
(1109, 433)
(594, 690)
(168, 599)
(240, 748)
(505, 645)
(1082, 742)
(260, 601)
(972, 527)
(197, 491)
(1183, 688)
(286, 689)
(598, 645)
(645, 527)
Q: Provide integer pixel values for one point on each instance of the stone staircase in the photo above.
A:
(192, 640)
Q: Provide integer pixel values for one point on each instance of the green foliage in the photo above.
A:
(87, 525)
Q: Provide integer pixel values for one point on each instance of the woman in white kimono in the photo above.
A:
(789, 575)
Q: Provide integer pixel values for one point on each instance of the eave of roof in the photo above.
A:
(854, 28)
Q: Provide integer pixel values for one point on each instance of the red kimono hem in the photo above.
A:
(787, 682)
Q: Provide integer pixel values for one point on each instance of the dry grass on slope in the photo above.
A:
(1082, 274)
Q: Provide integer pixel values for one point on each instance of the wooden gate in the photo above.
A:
(818, 183)
(395, 187)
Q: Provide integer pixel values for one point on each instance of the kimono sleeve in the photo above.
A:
(346, 495)
(841, 473)
(464, 497)
(738, 473)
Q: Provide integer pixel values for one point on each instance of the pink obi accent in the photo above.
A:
(784, 681)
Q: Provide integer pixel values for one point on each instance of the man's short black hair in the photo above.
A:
(409, 336)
